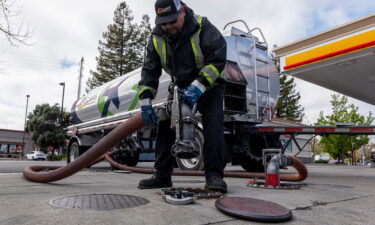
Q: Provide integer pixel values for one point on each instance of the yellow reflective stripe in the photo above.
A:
(156, 45)
(195, 44)
(213, 68)
(161, 48)
(208, 77)
(164, 53)
(195, 51)
(211, 73)
(144, 88)
(200, 18)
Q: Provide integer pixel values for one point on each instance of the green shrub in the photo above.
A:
(53, 157)
(63, 157)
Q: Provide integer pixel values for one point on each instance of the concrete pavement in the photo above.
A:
(332, 195)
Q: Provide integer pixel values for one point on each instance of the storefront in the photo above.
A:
(11, 143)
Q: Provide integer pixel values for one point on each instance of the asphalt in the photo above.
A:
(330, 195)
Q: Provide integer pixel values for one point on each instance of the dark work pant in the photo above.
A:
(210, 105)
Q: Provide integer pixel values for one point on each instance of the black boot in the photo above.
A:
(154, 182)
(216, 183)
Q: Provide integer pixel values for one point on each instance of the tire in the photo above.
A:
(252, 165)
(74, 151)
(126, 158)
(195, 164)
(252, 161)
(131, 159)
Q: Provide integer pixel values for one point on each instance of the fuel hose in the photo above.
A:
(45, 174)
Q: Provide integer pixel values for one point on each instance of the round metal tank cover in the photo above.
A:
(253, 209)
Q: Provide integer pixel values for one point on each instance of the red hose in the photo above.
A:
(296, 163)
(54, 173)
(32, 173)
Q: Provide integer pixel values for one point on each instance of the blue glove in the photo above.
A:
(191, 94)
(148, 115)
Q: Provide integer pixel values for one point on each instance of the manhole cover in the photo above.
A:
(98, 201)
(253, 209)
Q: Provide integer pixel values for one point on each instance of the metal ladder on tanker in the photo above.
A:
(262, 81)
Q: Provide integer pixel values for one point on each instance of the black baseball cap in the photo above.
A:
(167, 11)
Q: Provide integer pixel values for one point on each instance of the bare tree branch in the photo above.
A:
(14, 31)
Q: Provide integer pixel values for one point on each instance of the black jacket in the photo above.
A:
(180, 55)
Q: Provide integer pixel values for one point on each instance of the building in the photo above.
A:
(340, 59)
(12, 141)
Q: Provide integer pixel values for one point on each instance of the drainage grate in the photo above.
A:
(98, 201)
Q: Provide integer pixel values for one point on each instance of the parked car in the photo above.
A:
(36, 155)
(333, 161)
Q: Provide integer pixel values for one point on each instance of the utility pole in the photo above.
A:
(80, 77)
(63, 93)
(24, 128)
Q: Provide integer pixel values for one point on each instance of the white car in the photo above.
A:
(36, 155)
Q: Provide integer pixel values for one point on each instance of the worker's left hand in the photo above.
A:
(191, 94)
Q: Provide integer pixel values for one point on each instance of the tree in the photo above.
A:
(122, 49)
(317, 147)
(47, 125)
(145, 32)
(287, 106)
(367, 150)
(338, 145)
(14, 32)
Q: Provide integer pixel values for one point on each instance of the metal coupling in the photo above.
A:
(178, 196)
(272, 173)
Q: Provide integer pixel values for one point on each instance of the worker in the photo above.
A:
(193, 52)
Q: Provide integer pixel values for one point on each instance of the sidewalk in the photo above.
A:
(10, 159)
(333, 195)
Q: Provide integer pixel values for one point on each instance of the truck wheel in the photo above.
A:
(252, 165)
(194, 163)
(126, 158)
(75, 151)
(252, 161)
(132, 159)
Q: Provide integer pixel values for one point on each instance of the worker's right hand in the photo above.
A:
(148, 115)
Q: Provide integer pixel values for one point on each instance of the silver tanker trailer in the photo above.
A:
(251, 92)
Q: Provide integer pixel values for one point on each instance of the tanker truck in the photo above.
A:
(251, 93)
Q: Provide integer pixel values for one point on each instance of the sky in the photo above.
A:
(65, 31)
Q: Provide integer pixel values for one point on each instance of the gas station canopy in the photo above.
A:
(341, 59)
